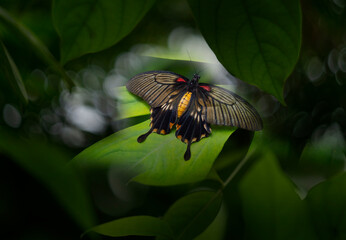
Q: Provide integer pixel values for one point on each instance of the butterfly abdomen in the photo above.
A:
(183, 103)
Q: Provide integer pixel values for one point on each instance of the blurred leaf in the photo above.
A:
(9, 72)
(327, 205)
(325, 154)
(217, 228)
(257, 41)
(192, 214)
(129, 105)
(88, 26)
(159, 160)
(38, 46)
(137, 225)
(235, 149)
(48, 164)
(271, 207)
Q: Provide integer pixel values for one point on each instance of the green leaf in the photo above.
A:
(159, 160)
(9, 72)
(192, 214)
(137, 225)
(47, 163)
(129, 105)
(257, 41)
(217, 228)
(327, 206)
(87, 26)
(271, 207)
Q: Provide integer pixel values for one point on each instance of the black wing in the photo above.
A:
(157, 87)
(192, 125)
(223, 107)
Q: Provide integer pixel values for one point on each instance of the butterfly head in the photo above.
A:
(195, 79)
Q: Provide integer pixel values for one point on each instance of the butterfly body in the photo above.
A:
(183, 103)
(190, 105)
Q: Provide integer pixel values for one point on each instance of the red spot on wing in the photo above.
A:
(181, 80)
(207, 88)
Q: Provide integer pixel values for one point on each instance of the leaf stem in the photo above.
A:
(237, 169)
(40, 48)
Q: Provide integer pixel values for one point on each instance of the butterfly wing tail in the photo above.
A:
(191, 128)
(162, 121)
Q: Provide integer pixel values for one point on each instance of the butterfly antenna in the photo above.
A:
(199, 72)
(188, 53)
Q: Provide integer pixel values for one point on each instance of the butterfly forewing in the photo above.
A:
(157, 87)
(223, 107)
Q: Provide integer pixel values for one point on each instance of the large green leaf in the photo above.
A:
(87, 26)
(137, 225)
(271, 207)
(9, 72)
(47, 163)
(159, 160)
(257, 41)
(129, 105)
(327, 205)
(192, 214)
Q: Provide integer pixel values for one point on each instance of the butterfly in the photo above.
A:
(191, 106)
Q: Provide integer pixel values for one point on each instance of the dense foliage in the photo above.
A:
(70, 160)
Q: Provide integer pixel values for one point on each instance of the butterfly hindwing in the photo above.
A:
(163, 117)
(191, 126)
